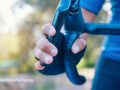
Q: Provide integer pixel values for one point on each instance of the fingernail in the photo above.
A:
(48, 59)
(50, 31)
(53, 51)
(76, 49)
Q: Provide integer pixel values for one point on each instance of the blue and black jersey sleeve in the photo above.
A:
(93, 6)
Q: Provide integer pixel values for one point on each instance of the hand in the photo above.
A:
(45, 50)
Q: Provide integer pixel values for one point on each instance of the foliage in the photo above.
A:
(18, 47)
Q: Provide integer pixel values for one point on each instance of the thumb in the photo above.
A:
(79, 45)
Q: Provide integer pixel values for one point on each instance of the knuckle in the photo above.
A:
(37, 52)
(39, 39)
(44, 27)
(49, 24)
(48, 29)
(42, 42)
(84, 42)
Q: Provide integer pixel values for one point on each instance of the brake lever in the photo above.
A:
(60, 16)
(65, 9)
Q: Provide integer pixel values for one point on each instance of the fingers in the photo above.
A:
(38, 66)
(78, 45)
(48, 29)
(50, 49)
(44, 45)
(46, 58)
(45, 50)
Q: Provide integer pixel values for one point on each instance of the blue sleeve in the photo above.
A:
(92, 5)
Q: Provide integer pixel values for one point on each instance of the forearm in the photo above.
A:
(88, 17)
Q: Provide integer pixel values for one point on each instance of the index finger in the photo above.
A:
(48, 29)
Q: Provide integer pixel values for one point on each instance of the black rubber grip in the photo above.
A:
(70, 58)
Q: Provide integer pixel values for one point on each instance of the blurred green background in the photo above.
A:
(20, 22)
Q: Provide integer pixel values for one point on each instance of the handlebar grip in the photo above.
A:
(71, 70)
(69, 60)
